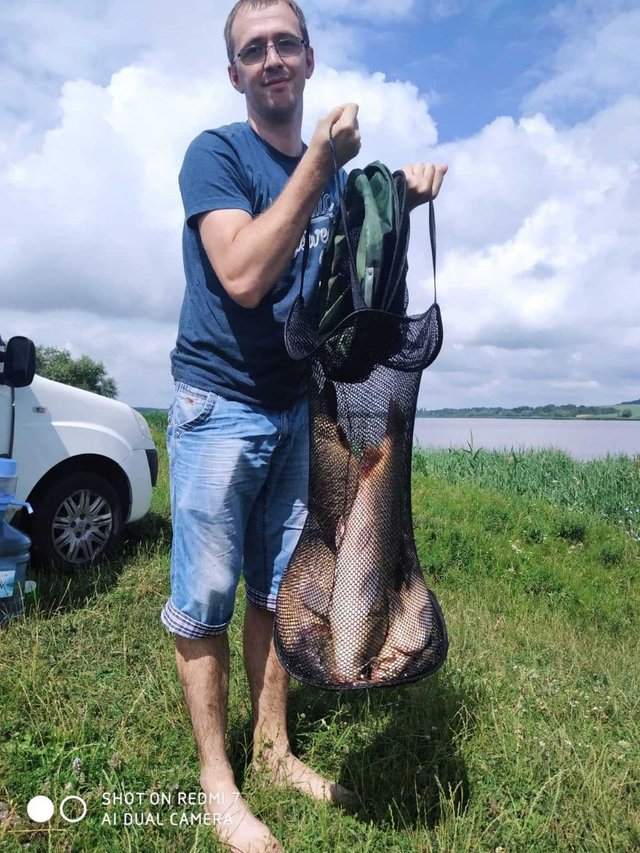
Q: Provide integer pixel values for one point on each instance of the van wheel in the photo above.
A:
(76, 520)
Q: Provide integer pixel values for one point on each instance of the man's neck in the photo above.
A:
(286, 138)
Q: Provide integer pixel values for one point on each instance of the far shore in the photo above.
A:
(463, 414)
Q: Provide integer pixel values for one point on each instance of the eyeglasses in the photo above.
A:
(285, 46)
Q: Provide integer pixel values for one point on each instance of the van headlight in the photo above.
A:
(143, 426)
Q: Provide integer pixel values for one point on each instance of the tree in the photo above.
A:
(83, 372)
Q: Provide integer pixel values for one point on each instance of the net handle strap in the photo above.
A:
(356, 291)
(432, 241)
(358, 301)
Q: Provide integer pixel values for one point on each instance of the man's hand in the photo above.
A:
(423, 182)
(342, 122)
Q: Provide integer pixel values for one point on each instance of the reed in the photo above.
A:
(608, 488)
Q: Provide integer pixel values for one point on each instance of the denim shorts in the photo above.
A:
(239, 481)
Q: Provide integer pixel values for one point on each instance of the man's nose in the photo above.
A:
(270, 58)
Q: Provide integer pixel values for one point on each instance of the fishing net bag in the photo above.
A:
(353, 609)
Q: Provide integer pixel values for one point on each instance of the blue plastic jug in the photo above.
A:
(14, 546)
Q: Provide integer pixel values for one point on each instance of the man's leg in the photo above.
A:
(269, 683)
(214, 481)
(276, 521)
(203, 667)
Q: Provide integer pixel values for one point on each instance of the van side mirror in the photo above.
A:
(19, 362)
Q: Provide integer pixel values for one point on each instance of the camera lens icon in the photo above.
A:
(72, 809)
(72, 817)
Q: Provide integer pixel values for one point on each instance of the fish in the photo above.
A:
(334, 479)
(366, 557)
(411, 630)
(314, 586)
(302, 623)
(305, 591)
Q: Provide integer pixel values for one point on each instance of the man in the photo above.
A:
(238, 425)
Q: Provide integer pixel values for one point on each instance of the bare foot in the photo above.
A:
(237, 828)
(289, 770)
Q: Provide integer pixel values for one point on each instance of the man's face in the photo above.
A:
(273, 88)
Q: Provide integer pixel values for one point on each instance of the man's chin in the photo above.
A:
(278, 113)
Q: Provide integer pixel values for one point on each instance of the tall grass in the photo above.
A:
(609, 488)
(526, 740)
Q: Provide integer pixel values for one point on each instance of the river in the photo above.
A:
(583, 439)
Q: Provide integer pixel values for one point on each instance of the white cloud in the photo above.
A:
(537, 222)
(92, 220)
(134, 351)
(393, 117)
(598, 62)
(373, 9)
(553, 268)
(47, 44)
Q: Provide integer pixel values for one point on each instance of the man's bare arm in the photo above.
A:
(249, 255)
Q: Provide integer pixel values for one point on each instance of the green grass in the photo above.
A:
(527, 739)
(609, 488)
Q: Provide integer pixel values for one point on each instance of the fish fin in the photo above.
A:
(395, 418)
(395, 427)
(342, 438)
(315, 599)
(370, 458)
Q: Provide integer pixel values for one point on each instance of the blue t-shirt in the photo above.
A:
(239, 352)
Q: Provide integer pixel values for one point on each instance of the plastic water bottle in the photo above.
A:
(14, 546)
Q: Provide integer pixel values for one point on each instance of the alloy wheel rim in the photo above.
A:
(82, 526)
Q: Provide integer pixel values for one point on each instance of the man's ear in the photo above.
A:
(310, 62)
(235, 79)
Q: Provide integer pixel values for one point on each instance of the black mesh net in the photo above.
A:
(353, 609)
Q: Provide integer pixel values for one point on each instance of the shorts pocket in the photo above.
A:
(190, 407)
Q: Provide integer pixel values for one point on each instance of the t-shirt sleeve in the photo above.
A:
(212, 178)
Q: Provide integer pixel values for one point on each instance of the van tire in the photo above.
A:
(76, 520)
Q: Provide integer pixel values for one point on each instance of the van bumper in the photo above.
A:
(152, 459)
(137, 467)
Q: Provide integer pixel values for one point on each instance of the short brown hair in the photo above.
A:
(261, 4)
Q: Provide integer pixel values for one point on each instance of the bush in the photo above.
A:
(83, 372)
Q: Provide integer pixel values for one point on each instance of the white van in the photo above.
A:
(86, 463)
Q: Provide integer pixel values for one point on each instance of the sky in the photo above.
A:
(534, 106)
